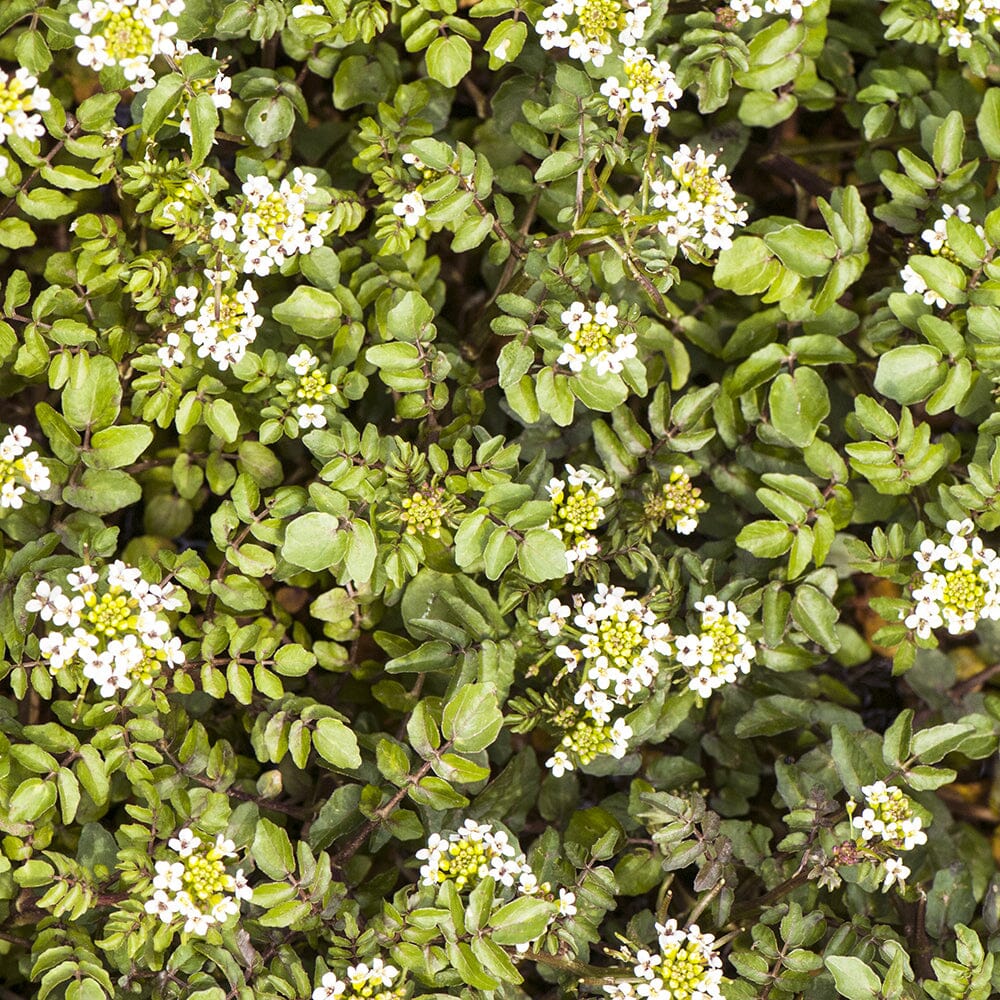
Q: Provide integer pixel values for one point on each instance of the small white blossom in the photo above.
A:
(410, 208)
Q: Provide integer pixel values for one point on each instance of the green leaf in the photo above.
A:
(336, 744)
(541, 556)
(272, 850)
(449, 59)
(988, 123)
(521, 921)
(15, 234)
(805, 251)
(92, 395)
(747, 267)
(853, 978)
(798, 404)
(766, 539)
(270, 119)
(161, 101)
(31, 799)
(312, 541)
(815, 614)
(472, 718)
(204, 121)
(310, 312)
(909, 374)
(361, 552)
(102, 491)
(114, 447)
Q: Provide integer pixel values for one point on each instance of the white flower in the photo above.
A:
(302, 361)
(558, 614)
(311, 416)
(170, 354)
(410, 208)
(307, 9)
(591, 339)
(895, 873)
(224, 227)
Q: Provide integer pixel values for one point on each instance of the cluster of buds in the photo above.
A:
(20, 101)
(613, 650)
(129, 34)
(886, 826)
(577, 510)
(424, 511)
(676, 504)
(936, 241)
(378, 981)
(593, 339)
(720, 651)
(685, 967)
(197, 888)
(649, 89)
(21, 471)
(700, 209)
(961, 583)
(589, 29)
(111, 630)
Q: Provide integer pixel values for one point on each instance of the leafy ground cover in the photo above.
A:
(498, 500)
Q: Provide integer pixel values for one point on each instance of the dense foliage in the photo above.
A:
(495, 500)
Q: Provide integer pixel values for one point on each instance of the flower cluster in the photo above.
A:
(198, 887)
(118, 636)
(720, 651)
(588, 28)
(961, 583)
(748, 10)
(377, 982)
(20, 469)
(223, 326)
(887, 823)
(649, 88)
(475, 852)
(699, 203)
(936, 239)
(677, 503)
(20, 95)
(127, 33)
(312, 390)
(685, 968)
(465, 858)
(593, 339)
(614, 649)
(960, 19)
(273, 223)
(577, 510)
